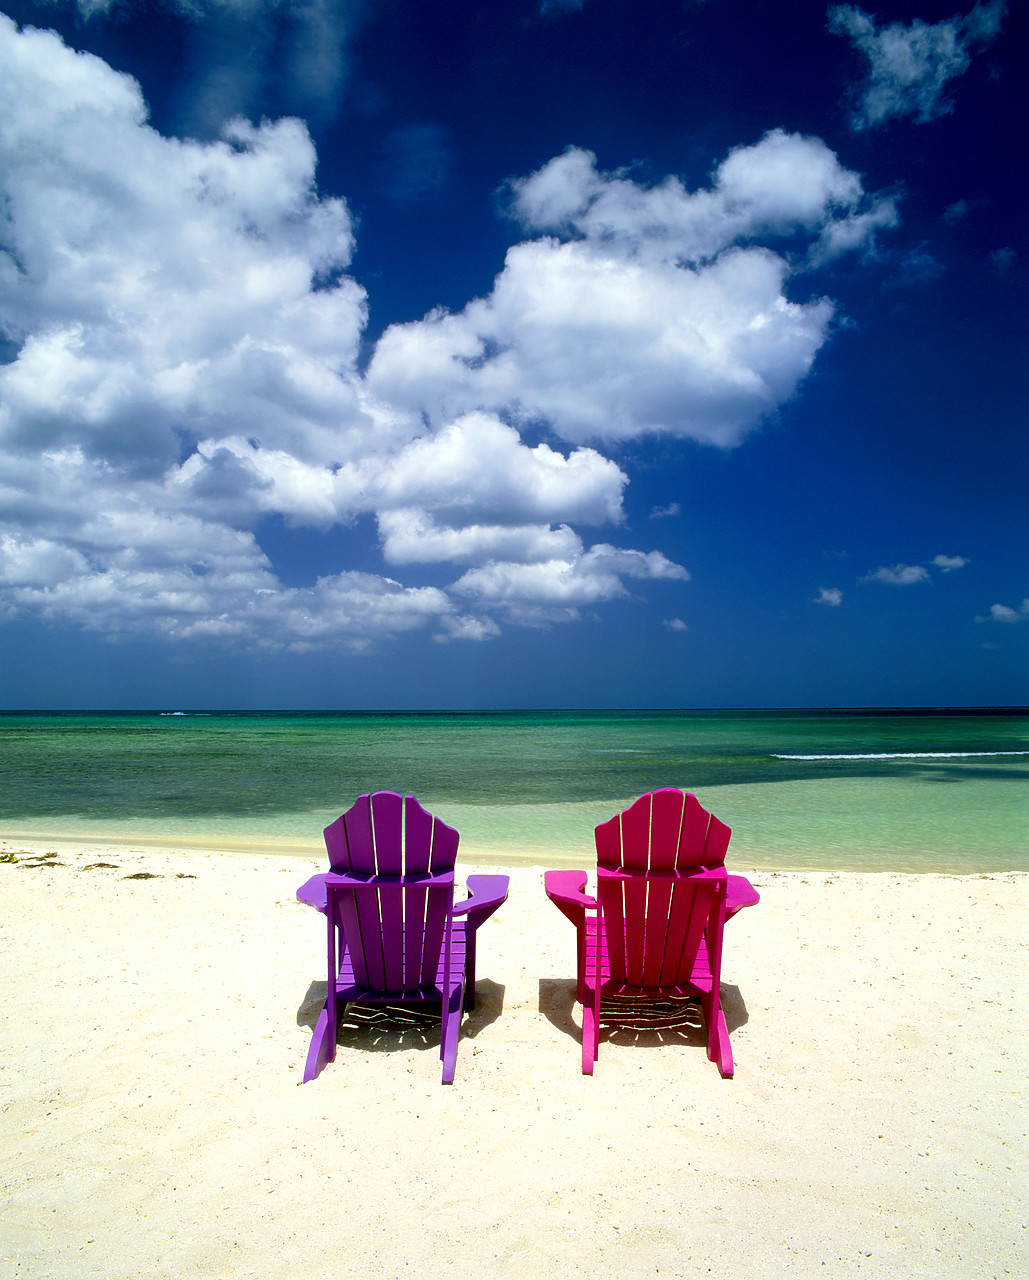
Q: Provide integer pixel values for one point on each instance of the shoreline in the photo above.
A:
(480, 854)
(173, 851)
(158, 1015)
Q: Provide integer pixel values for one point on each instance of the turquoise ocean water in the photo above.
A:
(861, 790)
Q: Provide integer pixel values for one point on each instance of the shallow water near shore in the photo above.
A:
(873, 791)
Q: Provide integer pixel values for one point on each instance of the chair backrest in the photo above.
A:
(395, 924)
(661, 884)
(662, 830)
(390, 835)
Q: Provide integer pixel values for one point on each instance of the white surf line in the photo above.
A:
(906, 755)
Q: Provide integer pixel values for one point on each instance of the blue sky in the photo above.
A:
(376, 353)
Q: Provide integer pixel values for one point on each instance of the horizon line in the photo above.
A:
(906, 708)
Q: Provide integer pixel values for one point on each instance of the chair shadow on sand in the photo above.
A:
(644, 1025)
(375, 1028)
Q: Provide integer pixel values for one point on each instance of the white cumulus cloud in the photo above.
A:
(477, 467)
(411, 536)
(906, 575)
(642, 309)
(556, 590)
(195, 581)
(149, 282)
(1004, 612)
(183, 338)
(899, 575)
(782, 184)
(465, 627)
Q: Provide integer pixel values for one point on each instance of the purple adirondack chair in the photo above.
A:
(655, 928)
(395, 935)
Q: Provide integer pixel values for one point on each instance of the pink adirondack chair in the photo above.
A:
(394, 933)
(655, 928)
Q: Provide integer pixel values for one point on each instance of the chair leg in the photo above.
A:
(591, 982)
(323, 1045)
(589, 1036)
(451, 1029)
(719, 1050)
(590, 1029)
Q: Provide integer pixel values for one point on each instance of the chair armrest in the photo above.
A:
(486, 893)
(370, 880)
(313, 893)
(739, 894)
(565, 891)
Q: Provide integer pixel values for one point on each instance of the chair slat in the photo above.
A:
(608, 837)
(417, 837)
(655, 925)
(336, 844)
(359, 913)
(414, 933)
(438, 905)
(688, 914)
(612, 907)
(665, 828)
(445, 841)
(387, 810)
(360, 842)
(634, 927)
(391, 924)
(636, 834)
(717, 843)
(694, 834)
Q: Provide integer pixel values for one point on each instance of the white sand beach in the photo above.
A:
(155, 1030)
